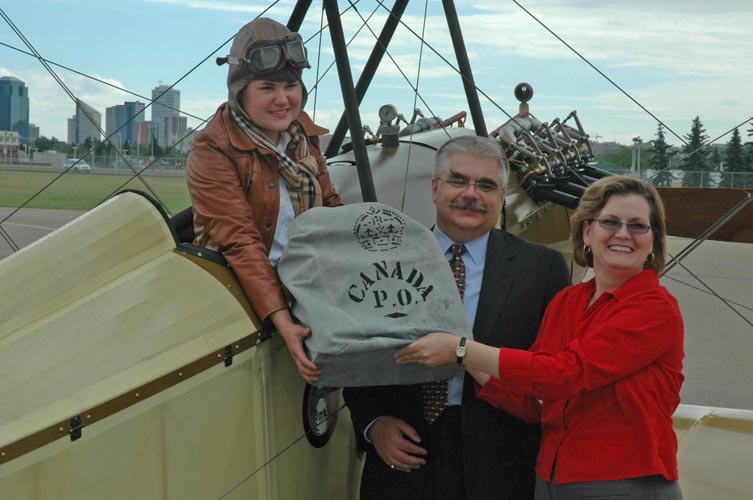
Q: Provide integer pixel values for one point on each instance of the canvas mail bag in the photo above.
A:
(367, 279)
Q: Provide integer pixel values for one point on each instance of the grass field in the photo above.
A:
(85, 191)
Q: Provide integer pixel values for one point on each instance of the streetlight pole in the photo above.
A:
(635, 167)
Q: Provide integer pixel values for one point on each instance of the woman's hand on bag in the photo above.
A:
(293, 335)
(433, 349)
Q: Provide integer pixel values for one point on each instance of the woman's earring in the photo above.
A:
(586, 249)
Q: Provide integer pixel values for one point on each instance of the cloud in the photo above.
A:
(200, 106)
(50, 106)
(281, 8)
(664, 35)
(679, 58)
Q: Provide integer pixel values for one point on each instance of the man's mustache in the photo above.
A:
(469, 205)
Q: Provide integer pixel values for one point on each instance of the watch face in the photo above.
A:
(460, 350)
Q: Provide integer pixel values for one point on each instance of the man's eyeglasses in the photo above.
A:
(462, 184)
(267, 57)
(614, 226)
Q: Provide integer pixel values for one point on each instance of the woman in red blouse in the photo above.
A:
(604, 375)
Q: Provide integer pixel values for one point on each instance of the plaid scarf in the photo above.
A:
(297, 167)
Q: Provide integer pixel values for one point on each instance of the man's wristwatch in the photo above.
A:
(460, 350)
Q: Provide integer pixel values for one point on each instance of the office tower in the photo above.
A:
(123, 118)
(143, 132)
(81, 126)
(166, 102)
(33, 132)
(175, 129)
(71, 130)
(14, 107)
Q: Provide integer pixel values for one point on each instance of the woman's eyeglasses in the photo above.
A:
(614, 225)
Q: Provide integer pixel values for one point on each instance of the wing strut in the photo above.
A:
(350, 101)
(465, 67)
(298, 14)
(380, 47)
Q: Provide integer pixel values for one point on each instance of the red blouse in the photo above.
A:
(603, 381)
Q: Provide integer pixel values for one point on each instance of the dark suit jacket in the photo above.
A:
(499, 451)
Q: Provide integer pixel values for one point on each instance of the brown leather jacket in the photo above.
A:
(236, 199)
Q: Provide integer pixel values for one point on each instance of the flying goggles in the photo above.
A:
(269, 56)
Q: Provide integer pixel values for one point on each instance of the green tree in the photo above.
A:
(620, 159)
(86, 146)
(156, 150)
(716, 160)
(660, 159)
(51, 144)
(695, 156)
(734, 160)
(103, 148)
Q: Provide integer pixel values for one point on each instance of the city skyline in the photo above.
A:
(678, 60)
(121, 120)
(14, 106)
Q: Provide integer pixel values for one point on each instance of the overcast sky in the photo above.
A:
(677, 58)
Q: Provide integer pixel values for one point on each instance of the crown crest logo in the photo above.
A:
(379, 229)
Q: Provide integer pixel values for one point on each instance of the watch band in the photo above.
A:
(460, 350)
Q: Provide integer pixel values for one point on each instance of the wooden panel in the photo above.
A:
(691, 211)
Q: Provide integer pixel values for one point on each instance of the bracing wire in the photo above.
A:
(618, 87)
(98, 80)
(675, 260)
(107, 138)
(156, 159)
(705, 290)
(275, 457)
(318, 61)
(701, 147)
(593, 66)
(588, 62)
(690, 248)
(708, 289)
(446, 61)
(415, 100)
(415, 89)
(397, 66)
(347, 44)
(416, 96)
(13, 245)
(511, 117)
(325, 26)
(86, 113)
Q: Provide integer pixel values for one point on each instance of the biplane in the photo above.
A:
(132, 365)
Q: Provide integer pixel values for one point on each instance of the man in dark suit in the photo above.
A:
(471, 451)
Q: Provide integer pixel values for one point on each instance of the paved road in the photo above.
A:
(30, 224)
(718, 335)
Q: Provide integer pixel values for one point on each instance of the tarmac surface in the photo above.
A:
(714, 286)
(29, 224)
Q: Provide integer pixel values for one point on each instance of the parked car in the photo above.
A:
(78, 165)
